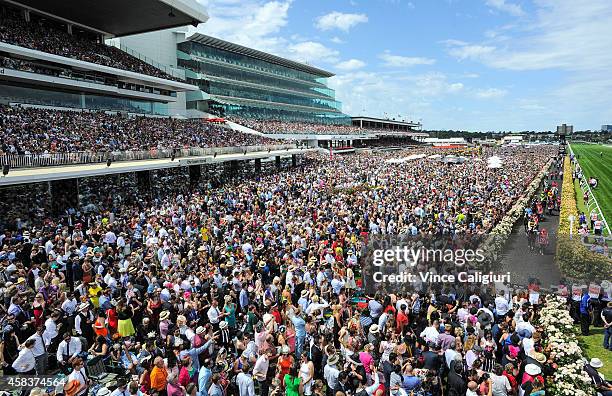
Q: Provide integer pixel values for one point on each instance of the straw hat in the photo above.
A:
(164, 315)
(333, 359)
(304, 293)
(83, 306)
(223, 325)
(200, 330)
(374, 329)
(539, 357)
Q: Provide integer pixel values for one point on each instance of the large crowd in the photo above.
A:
(250, 286)
(282, 127)
(42, 36)
(30, 131)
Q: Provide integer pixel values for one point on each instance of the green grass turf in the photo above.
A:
(601, 167)
(593, 347)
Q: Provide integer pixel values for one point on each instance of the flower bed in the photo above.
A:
(569, 379)
(501, 232)
(573, 258)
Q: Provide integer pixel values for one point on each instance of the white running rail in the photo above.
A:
(584, 185)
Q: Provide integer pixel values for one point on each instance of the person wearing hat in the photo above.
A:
(331, 373)
(164, 324)
(83, 322)
(531, 374)
(602, 386)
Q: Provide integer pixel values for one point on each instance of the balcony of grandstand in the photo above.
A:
(54, 54)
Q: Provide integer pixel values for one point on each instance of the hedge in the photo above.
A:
(574, 259)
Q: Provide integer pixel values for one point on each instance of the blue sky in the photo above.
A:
(478, 65)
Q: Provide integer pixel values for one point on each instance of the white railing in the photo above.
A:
(55, 159)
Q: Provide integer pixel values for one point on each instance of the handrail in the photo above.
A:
(75, 158)
(165, 68)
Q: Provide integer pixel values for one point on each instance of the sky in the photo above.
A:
(477, 65)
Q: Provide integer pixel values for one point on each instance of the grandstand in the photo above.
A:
(53, 54)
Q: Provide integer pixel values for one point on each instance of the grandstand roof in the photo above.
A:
(239, 49)
(120, 17)
(386, 121)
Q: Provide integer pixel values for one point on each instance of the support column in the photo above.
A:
(278, 161)
(234, 166)
(143, 181)
(258, 165)
(64, 195)
(293, 160)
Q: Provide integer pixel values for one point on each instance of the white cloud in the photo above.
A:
(391, 60)
(502, 5)
(340, 21)
(351, 64)
(337, 40)
(490, 93)
(377, 93)
(455, 87)
(550, 41)
(311, 51)
(252, 23)
(470, 51)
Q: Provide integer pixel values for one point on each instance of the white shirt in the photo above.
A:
(110, 237)
(25, 361)
(81, 377)
(246, 386)
(430, 334)
(260, 370)
(50, 331)
(501, 305)
(69, 306)
(71, 349)
(119, 392)
(39, 344)
(213, 314)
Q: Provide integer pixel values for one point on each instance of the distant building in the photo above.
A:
(565, 129)
(512, 139)
(606, 128)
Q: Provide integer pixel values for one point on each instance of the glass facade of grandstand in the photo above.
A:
(56, 98)
(249, 87)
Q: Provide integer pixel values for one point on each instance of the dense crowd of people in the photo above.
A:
(250, 285)
(42, 36)
(277, 127)
(31, 131)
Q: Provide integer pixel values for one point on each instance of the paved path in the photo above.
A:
(524, 264)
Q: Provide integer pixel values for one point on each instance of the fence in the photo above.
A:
(57, 159)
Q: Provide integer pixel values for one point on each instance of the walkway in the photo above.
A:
(524, 264)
